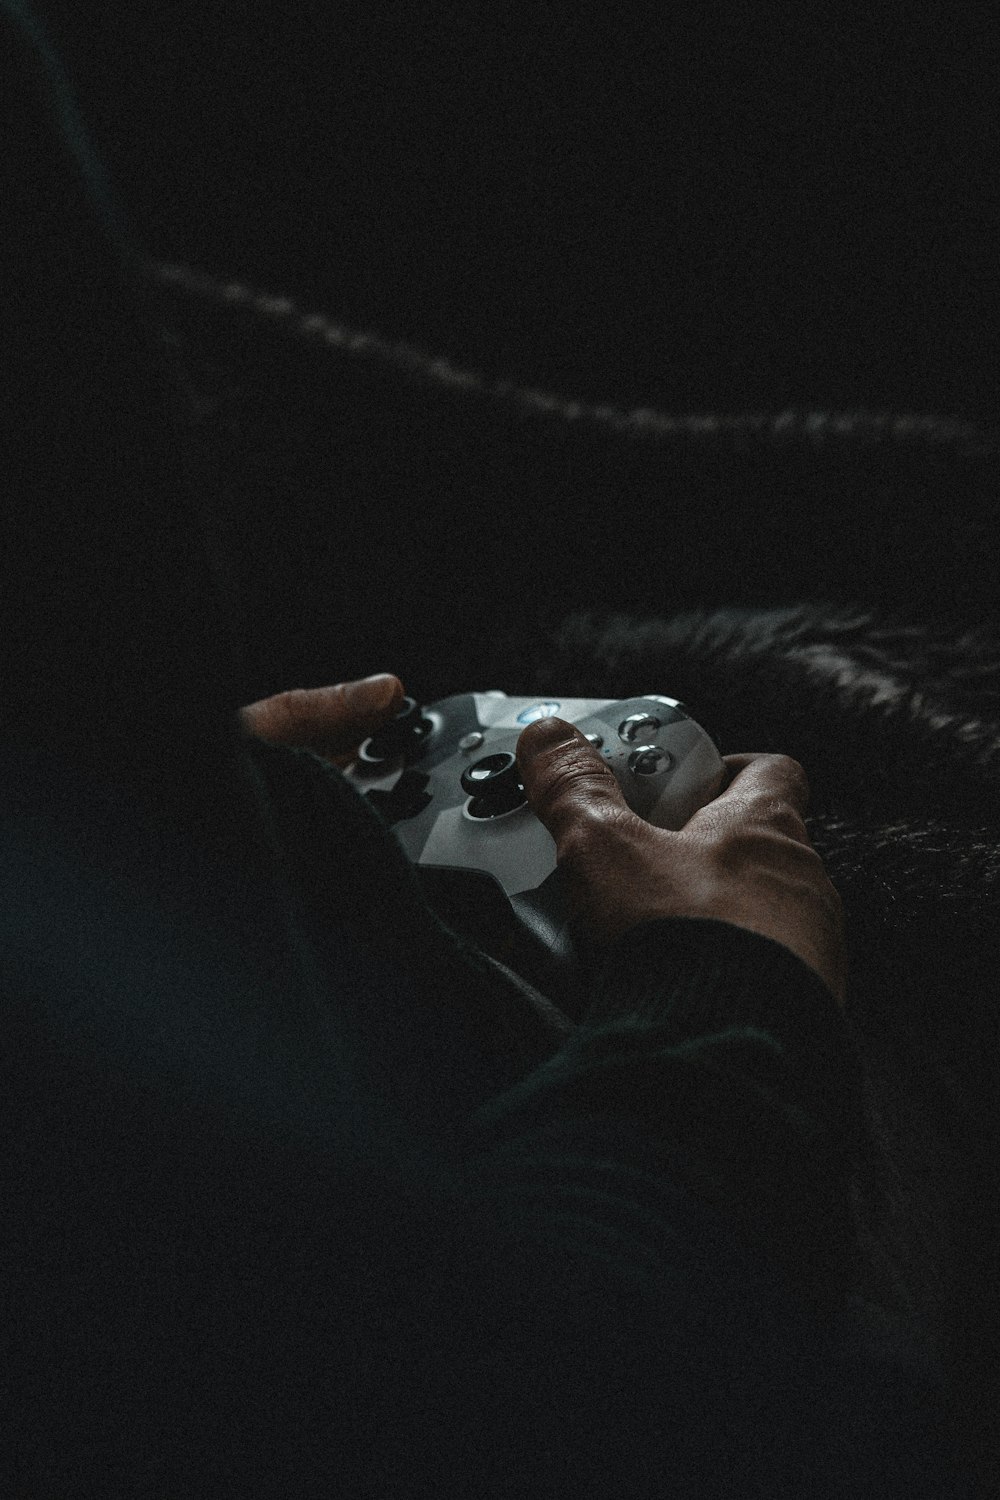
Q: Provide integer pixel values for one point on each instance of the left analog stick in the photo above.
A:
(494, 784)
(403, 734)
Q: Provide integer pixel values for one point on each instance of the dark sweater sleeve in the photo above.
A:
(728, 1052)
(583, 1325)
(637, 1287)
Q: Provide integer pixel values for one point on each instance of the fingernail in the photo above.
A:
(546, 734)
(371, 694)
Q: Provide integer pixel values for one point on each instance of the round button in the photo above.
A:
(673, 703)
(597, 740)
(637, 727)
(494, 785)
(649, 760)
(538, 711)
(403, 735)
(471, 741)
(492, 776)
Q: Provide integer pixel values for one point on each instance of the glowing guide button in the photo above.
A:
(538, 711)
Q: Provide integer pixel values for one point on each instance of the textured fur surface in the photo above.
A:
(896, 723)
(898, 726)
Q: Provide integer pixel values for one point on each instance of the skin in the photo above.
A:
(330, 721)
(745, 858)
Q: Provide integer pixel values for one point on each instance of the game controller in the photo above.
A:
(445, 778)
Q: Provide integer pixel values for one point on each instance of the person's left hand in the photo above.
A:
(330, 721)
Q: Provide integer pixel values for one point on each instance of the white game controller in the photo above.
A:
(446, 779)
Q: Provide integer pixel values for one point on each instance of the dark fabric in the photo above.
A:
(302, 1194)
(549, 1271)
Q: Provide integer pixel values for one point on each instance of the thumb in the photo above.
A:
(565, 778)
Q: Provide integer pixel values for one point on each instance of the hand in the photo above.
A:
(744, 858)
(330, 721)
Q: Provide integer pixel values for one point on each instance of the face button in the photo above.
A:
(649, 760)
(638, 727)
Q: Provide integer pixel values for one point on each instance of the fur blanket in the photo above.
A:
(898, 727)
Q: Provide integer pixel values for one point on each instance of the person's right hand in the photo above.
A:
(744, 857)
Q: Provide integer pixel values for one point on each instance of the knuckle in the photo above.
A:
(786, 817)
(782, 796)
(765, 843)
(293, 706)
(795, 774)
(294, 711)
(560, 788)
(276, 717)
(590, 823)
(573, 845)
(739, 847)
(570, 779)
(583, 820)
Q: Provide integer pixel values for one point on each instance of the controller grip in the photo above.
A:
(528, 932)
(543, 940)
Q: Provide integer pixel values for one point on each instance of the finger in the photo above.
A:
(566, 780)
(762, 787)
(331, 721)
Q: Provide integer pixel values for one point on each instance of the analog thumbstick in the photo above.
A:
(404, 734)
(494, 784)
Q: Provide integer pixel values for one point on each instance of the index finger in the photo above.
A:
(324, 720)
(771, 787)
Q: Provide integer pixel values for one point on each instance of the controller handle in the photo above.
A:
(528, 932)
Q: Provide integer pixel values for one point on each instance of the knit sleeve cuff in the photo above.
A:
(703, 975)
(729, 1052)
(735, 1004)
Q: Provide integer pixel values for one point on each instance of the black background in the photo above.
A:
(688, 207)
